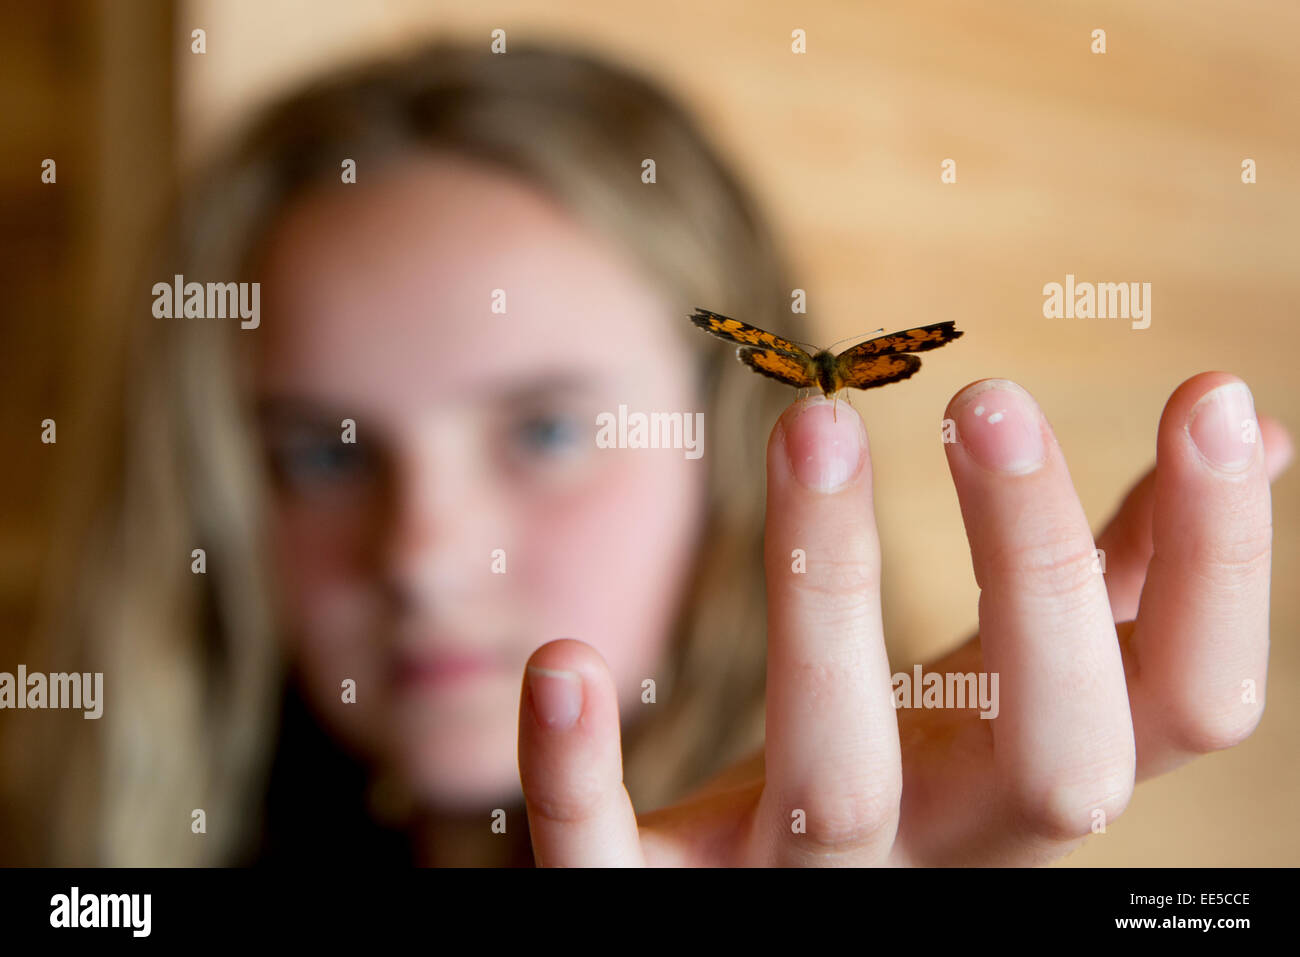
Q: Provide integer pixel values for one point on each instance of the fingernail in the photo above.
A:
(1223, 426)
(1000, 425)
(557, 696)
(824, 441)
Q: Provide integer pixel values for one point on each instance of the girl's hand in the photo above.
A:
(1103, 679)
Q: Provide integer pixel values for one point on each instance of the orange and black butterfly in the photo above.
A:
(867, 365)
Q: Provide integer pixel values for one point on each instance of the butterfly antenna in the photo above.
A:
(858, 336)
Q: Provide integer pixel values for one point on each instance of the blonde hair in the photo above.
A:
(192, 664)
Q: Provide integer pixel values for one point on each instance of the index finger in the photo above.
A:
(833, 773)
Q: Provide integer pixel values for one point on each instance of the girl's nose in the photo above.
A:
(440, 528)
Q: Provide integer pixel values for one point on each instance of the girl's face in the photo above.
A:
(472, 331)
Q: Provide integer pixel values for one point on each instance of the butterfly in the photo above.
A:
(869, 364)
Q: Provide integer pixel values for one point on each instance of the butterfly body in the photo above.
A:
(828, 378)
(867, 365)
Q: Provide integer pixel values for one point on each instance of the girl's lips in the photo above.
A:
(444, 669)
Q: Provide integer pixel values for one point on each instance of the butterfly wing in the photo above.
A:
(909, 340)
(885, 359)
(871, 371)
(797, 371)
(743, 333)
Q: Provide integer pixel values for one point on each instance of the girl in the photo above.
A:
(423, 584)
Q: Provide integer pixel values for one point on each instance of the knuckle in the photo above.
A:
(829, 678)
(1237, 558)
(1060, 813)
(1052, 566)
(1204, 734)
(839, 578)
(579, 799)
(816, 679)
(848, 821)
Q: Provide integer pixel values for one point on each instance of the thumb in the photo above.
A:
(571, 762)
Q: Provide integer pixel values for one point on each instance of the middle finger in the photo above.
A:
(1063, 738)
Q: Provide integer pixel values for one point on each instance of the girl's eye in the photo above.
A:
(546, 434)
(318, 461)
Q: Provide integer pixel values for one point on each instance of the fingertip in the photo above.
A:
(560, 678)
(823, 442)
(566, 654)
(972, 389)
(1213, 414)
(1191, 391)
(556, 697)
(1000, 425)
